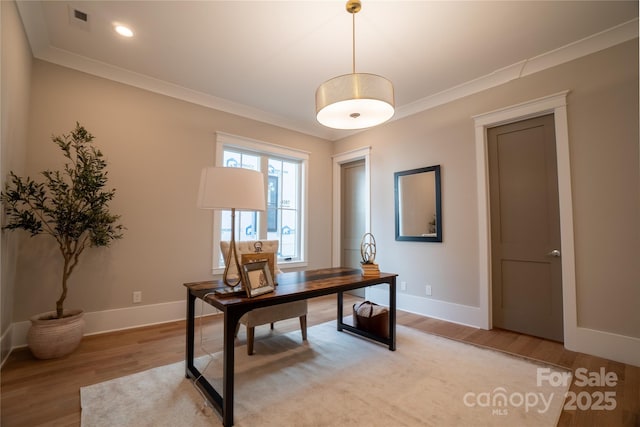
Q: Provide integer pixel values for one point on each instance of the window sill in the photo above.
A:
(291, 264)
(283, 265)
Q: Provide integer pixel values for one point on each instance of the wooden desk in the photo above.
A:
(293, 286)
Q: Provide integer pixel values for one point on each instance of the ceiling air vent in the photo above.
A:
(78, 18)
(78, 14)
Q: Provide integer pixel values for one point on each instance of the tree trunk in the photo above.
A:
(65, 276)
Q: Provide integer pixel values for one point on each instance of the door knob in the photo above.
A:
(554, 253)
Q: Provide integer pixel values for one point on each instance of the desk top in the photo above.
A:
(293, 286)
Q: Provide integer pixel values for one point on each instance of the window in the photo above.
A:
(284, 218)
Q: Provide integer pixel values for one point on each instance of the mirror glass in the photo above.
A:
(418, 210)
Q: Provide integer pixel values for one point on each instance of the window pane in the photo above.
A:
(231, 159)
(234, 159)
(282, 215)
(251, 162)
(246, 222)
(281, 220)
(247, 225)
(288, 242)
(273, 203)
(226, 226)
(273, 190)
(289, 185)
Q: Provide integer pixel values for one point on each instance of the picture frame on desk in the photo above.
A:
(269, 257)
(257, 278)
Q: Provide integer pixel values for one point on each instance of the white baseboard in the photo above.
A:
(98, 322)
(456, 313)
(608, 345)
(620, 348)
(5, 344)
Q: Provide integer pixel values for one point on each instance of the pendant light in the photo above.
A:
(356, 100)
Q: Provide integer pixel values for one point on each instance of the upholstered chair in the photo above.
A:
(266, 315)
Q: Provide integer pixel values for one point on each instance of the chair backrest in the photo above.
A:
(247, 247)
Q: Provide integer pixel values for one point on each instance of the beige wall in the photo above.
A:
(15, 87)
(156, 147)
(604, 154)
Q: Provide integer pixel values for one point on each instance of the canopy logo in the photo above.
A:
(499, 400)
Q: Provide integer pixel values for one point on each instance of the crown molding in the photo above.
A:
(592, 44)
(35, 27)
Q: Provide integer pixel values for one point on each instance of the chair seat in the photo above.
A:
(264, 315)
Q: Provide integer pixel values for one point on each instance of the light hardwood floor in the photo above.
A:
(47, 393)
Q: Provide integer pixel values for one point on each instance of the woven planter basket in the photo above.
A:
(52, 338)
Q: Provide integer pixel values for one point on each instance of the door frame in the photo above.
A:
(555, 104)
(338, 160)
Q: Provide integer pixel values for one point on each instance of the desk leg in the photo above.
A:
(190, 369)
(230, 322)
(191, 304)
(340, 309)
(392, 314)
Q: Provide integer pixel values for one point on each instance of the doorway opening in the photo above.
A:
(339, 160)
(353, 215)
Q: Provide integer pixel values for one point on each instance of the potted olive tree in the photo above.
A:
(72, 206)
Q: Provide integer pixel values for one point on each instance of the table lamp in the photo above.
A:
(231, 189)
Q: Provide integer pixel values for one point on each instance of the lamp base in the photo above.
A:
(228, 291)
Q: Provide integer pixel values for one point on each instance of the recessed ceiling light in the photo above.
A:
(124, 31)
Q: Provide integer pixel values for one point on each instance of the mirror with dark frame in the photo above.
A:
(417, 203)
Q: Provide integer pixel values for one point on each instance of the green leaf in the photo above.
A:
(71, 205)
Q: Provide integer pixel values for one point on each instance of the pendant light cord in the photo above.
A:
(353, 40)
(353, 7)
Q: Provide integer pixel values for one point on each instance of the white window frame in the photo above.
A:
(229, 141)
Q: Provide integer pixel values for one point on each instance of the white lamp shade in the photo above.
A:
(231, 188)
(354, 101)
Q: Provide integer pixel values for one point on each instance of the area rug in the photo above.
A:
(338, 379)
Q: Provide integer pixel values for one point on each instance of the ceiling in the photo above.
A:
(265, 59)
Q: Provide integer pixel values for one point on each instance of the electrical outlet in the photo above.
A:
(403, 286)
(427, 290)
(137, 297)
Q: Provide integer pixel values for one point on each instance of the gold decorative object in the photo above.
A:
(368, 254)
